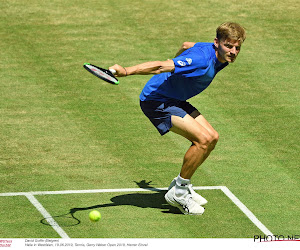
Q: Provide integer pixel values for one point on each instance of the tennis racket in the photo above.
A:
(104, 74)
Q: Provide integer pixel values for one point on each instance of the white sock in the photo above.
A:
(181, 188)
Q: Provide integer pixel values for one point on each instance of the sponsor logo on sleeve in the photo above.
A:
(189, 60)
(184, 63)
(181, 63)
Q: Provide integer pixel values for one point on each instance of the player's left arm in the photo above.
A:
(184, 47)
(147, 68)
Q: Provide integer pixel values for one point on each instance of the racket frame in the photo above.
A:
(101, 73)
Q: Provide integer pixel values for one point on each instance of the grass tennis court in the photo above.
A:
(119, 206)
(63, 129)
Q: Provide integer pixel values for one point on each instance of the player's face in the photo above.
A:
(227, 50)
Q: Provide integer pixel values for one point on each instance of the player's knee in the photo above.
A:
(215, 139)
(207, 141)
(203, 142)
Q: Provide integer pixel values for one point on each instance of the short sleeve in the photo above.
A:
(191, 60)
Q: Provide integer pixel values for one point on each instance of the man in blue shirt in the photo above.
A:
(164, 101)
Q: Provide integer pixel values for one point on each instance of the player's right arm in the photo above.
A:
(184, 47)
(147, 68)
(154, 67)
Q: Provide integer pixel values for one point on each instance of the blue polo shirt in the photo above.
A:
(194, 70)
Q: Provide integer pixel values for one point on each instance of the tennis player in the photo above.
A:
(164, 101)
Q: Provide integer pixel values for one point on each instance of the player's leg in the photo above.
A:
(202, 136)
(204, 123)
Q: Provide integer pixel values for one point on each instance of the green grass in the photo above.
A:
(62, 128)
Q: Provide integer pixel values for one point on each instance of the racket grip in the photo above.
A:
(113, 71)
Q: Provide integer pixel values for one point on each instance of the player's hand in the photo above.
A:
(120, 71)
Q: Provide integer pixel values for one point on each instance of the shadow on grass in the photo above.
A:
(154, 199)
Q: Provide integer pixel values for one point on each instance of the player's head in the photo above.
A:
(228, 41)
(232, 31)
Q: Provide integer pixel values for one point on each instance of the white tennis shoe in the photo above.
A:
(196, 197)
(187, 205)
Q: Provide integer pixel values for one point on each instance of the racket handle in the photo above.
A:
(113, 71)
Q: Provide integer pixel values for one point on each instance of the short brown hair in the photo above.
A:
(232, 31)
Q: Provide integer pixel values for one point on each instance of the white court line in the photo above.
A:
(47, 216)
(102, 191)
(246, 211)
(53, 223)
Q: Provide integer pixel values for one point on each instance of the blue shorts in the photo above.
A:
(159, 113)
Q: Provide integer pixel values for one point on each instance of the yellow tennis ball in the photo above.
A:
(94, 215)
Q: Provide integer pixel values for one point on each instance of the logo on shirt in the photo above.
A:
(182, 63)
(189, 60)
